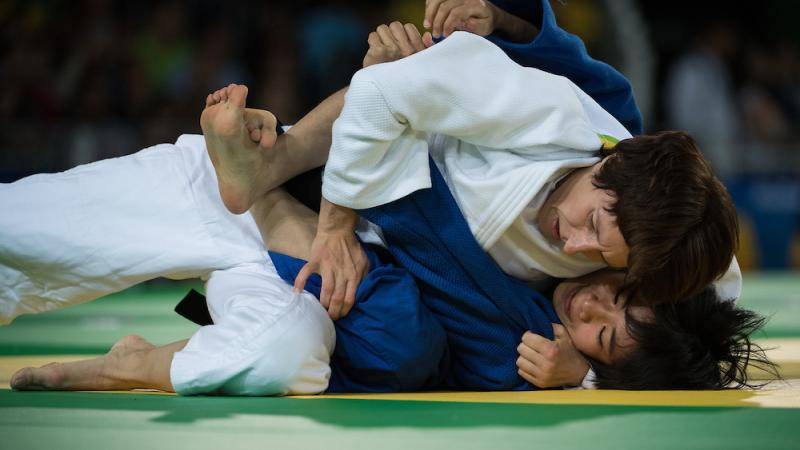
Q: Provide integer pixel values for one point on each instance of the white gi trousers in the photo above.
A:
(71, 237)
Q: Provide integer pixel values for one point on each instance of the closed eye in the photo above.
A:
(600, 337)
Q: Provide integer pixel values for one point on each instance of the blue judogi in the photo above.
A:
(561, 53)
(389, 341)
(394, 337)
(450, 317)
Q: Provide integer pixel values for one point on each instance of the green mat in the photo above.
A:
(77, 420)
(136, 421)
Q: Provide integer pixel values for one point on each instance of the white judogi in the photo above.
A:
(71, 237)
(500, 154)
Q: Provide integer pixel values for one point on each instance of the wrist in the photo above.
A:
(511, 27)
(334, 218)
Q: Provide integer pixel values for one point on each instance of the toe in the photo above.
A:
(20, 379)
(238, 96)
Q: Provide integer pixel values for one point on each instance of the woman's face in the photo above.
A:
(594, 316)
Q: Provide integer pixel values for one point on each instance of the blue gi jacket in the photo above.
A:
(456, 324)
(449, 318)
(561, 53)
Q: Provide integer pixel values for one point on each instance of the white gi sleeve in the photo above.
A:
(464, 87)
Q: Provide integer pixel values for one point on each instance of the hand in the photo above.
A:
(549, 364)
(338, 257)
(394, 41)
(443, 17)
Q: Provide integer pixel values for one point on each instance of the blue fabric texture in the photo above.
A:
(484, 311)
(394, 337)
(561, 53)
(389, 342)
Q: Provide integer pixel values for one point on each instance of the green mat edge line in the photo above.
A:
(53, 350)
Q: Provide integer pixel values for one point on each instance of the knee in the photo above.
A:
(290, 356)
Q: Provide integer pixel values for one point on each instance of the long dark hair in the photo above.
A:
(701, 343)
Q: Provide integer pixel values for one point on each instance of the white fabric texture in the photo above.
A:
(496, 152)
(499, 153)
(71, 237)
(265, 340)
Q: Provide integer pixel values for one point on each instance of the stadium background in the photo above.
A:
(92, 79)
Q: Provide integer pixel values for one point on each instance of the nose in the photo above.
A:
(591, 308)
(579, 240)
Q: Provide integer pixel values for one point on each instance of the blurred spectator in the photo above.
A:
(700, 97)
(91, 79)
(770, 103)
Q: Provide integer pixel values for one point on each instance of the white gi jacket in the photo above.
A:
(500, 133)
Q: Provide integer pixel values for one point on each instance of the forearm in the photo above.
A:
(286, 225)
(305, 145)
(511, 27)
(379, 152)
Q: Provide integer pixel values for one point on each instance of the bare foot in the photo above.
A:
(97, 374)
(236, 138)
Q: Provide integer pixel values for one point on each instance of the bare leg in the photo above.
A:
(247, 163)
(132, 363)
(286, 225)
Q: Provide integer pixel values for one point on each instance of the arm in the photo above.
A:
(335, 253)
(305, 145)
(476, 16)
(463, 87)
(337, 256)
(561, 53)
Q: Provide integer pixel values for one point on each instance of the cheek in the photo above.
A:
(594, 256)
(584, 339)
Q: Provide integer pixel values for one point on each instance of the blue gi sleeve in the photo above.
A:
(389, 341)
(561, 53)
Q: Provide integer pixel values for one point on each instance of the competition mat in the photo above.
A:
(766, 418)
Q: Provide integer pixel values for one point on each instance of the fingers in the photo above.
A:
(455, 20)
(401, 38)
(427, 39)
(349, 297)
(538, 359)
(385, 34)
(559, 332)
(441, 15)
(431, 10)
(302, 276)
(414, 37)
(374, 40)
(337, 297)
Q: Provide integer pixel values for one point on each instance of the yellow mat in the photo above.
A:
(780, 394)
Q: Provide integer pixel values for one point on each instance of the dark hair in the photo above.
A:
(676, 217)
(701, 343)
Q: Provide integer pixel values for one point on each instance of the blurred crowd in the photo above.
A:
(89, 79)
